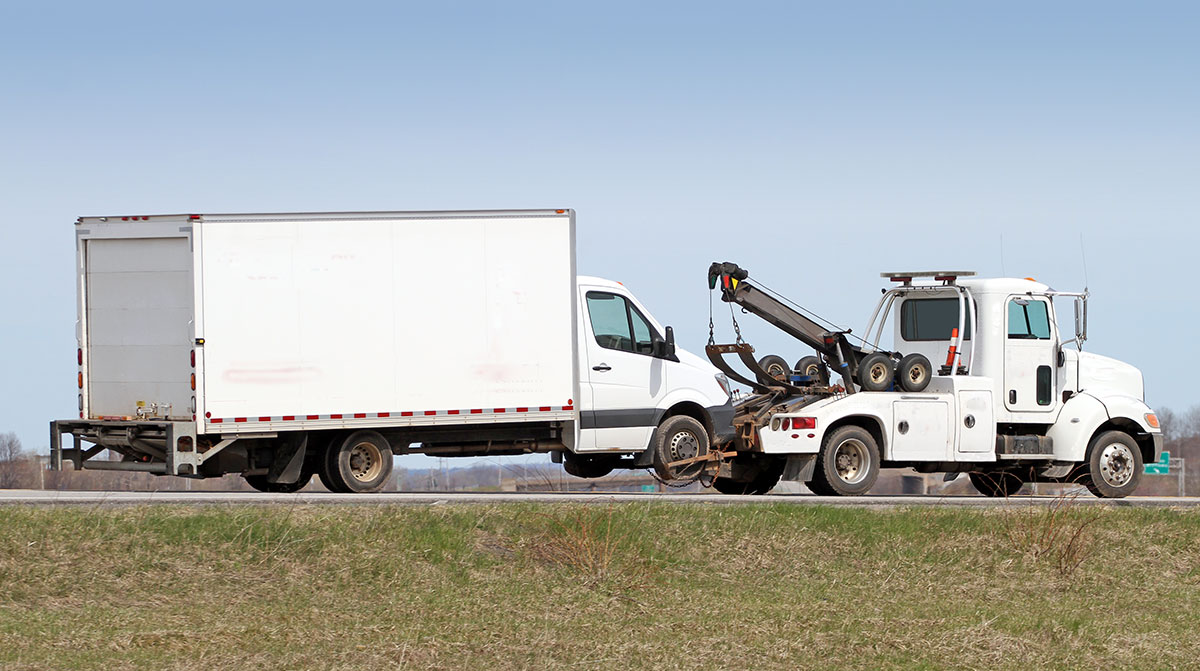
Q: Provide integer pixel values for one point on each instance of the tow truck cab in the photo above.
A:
(1011, 399)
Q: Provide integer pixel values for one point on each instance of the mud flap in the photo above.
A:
(800, 467)
(289, 461)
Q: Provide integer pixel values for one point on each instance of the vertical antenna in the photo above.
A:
(1083, 256)
(1002, 272)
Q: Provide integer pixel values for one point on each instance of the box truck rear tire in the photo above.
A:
(360, 463)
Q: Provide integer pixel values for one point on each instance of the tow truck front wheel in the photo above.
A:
(848, 463)
(1114, 465)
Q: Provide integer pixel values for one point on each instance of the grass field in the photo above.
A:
(635, 586)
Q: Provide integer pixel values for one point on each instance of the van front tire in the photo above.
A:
(679, 437)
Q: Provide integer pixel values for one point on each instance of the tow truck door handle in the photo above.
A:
(602, 367)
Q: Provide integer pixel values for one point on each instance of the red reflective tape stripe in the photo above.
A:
(406, 413)
(522, 409)
(216, 421)
(498, 410)
(476, 411)
(430, 412)
(335, 417)
(567, 407)
(314, 417)
(239, 420)
(451, 412)
(288, 418)
(544, 408)
(264, 419)
(383, 414)
(360, 415)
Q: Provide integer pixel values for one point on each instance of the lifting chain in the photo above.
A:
(737, 330)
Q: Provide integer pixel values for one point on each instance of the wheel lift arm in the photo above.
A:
(833, 346)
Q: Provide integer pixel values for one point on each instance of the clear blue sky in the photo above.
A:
(816, 146)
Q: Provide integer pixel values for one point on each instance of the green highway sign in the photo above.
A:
(1160, 467)
(649, 488)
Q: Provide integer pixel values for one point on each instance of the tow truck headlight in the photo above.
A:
(724, 382)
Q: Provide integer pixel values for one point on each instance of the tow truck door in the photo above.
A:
(1029, 352)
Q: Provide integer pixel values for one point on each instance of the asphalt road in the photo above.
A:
(36, 497)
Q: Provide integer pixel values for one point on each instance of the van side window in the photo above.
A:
(616, 324)
(1028, 319)
(931, 319)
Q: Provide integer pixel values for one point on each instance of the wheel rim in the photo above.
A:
(1116, 464)
(684, 445)
(851, 461)
(366, 461)
(878, 373)
(916, 374)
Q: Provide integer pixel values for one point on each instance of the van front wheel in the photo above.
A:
(677, 438)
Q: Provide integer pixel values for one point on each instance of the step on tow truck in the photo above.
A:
(1010, 405)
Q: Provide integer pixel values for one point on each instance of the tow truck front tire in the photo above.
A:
(848, 463)
(1114, 466)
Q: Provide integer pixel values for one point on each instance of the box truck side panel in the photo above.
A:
(138, 325)
(387, 315)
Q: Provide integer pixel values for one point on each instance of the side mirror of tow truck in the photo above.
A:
(665, 349)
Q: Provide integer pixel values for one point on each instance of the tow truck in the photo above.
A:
(1010, 405)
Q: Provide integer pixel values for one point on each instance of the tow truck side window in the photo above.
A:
(618, 325)
(1028, 319)
(931, 319)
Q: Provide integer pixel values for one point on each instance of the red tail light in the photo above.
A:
(193, 358)
(804, 423)
(79, 356)
(787, 423)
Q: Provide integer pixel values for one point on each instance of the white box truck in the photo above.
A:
(280, 346)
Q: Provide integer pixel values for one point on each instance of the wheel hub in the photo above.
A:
(365, 462)
(850, 460)
(1116, 464)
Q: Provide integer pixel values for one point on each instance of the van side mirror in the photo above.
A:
(665, 349)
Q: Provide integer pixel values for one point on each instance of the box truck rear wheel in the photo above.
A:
(360, 463)
(848, 463)
(679, 437)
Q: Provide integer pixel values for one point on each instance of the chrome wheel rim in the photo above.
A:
(366, 461)
(851, 461)
(1116, 464)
